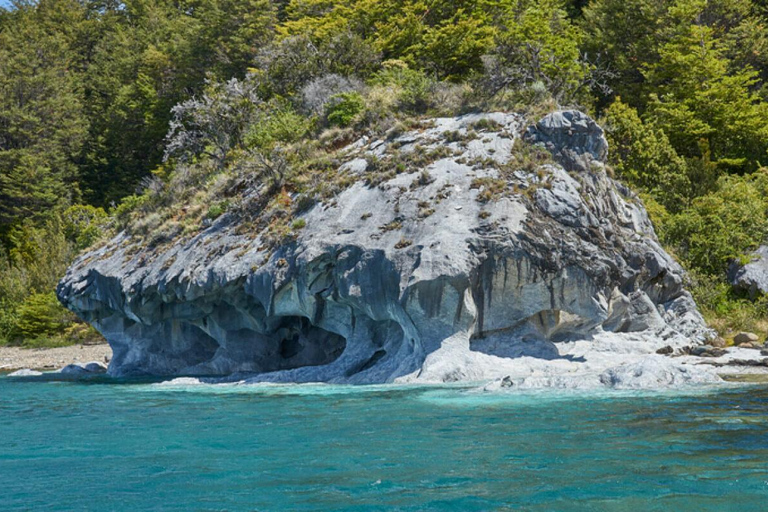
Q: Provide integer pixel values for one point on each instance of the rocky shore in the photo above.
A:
(15, 358)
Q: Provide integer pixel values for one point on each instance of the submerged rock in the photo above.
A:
(653, 373)
(428, 276)
(92, 368)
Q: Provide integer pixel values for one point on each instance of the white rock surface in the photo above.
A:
(26, 372)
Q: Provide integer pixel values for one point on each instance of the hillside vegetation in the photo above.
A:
(155, 115)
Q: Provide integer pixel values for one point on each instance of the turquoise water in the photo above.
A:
(129, 447)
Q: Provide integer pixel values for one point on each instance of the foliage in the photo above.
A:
(161, 111)
(287, 65)
(343, 108)
(696, 96)
(538, 47)
(42, 316)
(410, 88)
(30, 270)
(215, 123)
(725, 310)
(83, 225)
(722, 225)
(41, 119)
(642, 156)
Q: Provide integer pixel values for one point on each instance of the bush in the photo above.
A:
(8, 318)
(281, 124)
(216, 210)
(37, 259)
(412, 88)
(129, 204)
(722, 225)
(216, 122)
(42, 316)
(724, 310)
(344, 108)
(317, 93)
(643, 157)
(83, 225)
(288, 65)
(538, 46)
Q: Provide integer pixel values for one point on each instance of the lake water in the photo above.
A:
(131, 447)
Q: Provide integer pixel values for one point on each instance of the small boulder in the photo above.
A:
(745, 337)
(764, 352)
(718, 342)
(92, 368)
(665, 351)
(751, 277)
(707, 351)
(73, 369)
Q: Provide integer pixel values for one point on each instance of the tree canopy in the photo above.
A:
(102, 99)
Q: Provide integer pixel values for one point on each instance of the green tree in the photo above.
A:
(42, 125)
(446, 39)
(41, 316)
(538, 47)
(643, 157)
(623, 35)
(695, 97)
(721, 225)
(233, 32)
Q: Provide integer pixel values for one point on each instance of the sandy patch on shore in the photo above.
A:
(15, 358)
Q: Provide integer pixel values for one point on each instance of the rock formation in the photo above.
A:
(752, 277)
(466, 271)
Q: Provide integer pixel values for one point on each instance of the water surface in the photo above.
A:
(128, 447)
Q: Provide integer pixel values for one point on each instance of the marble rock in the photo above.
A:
(565, 254)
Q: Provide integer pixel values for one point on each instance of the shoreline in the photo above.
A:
(538, 372)
(48, 359)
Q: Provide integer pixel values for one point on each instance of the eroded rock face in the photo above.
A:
(411, 280)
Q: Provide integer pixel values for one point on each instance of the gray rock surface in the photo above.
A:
(561, 258)
(573, 138)
(87, 369)
(751, 278)
(707, 351)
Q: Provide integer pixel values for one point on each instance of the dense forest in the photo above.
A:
(108, 108)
